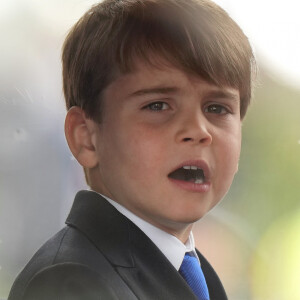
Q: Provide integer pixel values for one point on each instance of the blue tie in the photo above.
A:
(191, 271)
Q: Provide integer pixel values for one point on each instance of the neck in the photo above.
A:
(180, 230)
(182, 234)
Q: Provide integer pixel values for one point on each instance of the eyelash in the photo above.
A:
(157, 109)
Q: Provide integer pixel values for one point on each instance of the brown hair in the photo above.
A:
(195, 35)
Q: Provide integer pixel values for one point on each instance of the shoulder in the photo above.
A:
(68, 281)
(66, 263)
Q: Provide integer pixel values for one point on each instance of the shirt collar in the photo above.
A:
(169, 245)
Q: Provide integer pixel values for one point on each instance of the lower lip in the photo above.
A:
(192, 187)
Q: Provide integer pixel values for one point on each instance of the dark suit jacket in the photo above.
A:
(101, 254)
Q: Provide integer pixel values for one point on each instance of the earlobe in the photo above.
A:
(80, 138)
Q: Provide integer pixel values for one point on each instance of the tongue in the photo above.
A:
(187, 175)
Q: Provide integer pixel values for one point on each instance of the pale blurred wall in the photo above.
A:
(38, 177)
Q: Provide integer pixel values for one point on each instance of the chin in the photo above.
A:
(189, 217)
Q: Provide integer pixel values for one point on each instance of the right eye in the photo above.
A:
(217, 109)
(157, 106)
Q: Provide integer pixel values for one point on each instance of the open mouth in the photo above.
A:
(189, 174)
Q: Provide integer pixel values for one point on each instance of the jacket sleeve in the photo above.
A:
(68, 281)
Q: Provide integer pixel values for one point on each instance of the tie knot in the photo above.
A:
(189, 259)
(191, 271)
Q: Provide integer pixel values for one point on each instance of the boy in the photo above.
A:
(155, 91)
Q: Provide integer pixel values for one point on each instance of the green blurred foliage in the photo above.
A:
(276, 264)
(267, 185)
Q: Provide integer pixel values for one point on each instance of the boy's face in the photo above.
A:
(157, 123)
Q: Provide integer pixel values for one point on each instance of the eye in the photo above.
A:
(157, 106)
(217, 109)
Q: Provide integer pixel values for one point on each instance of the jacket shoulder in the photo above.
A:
(68, 281)
(68, 254)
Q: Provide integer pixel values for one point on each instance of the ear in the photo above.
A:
(80, 137)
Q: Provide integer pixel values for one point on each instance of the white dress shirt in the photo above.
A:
(169, 245)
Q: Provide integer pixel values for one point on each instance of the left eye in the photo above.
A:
(216, 109)
(157, 106)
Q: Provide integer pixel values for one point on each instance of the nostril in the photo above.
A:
(187, 139)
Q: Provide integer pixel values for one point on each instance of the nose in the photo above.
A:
(194, 129)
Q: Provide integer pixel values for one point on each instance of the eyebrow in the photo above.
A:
(218, 94)
(155, 90)
(222, 94)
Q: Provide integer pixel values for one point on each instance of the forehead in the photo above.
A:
(160, 76)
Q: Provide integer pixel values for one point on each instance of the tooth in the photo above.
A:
(187, 167)
(193, 168)
(199, 181)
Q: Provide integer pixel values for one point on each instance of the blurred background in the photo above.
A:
(252, 238)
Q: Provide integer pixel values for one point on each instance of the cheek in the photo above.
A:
(231, 157)
(147, 149)
(228, 155)
(136, 149)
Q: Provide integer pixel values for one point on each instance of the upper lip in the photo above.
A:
(197, 163)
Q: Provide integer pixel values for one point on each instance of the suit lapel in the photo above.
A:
(103, 225)
(215, 287)
(139, 262)
(136, 258)
(153, 277)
